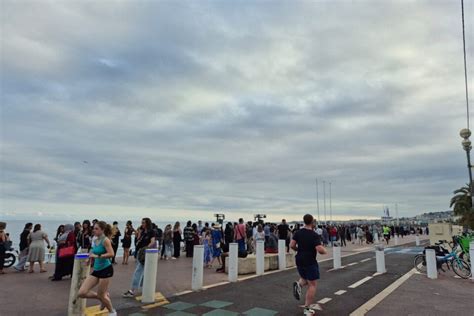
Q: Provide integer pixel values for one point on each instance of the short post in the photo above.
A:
(198, 268)
(260, 260)
(336, 257)
(417, 240)
(380, 259)
(396, 239)
(80, 272)
(281, 254)
(149, 275)
(233, 262)
(471, 255)
(431, 268)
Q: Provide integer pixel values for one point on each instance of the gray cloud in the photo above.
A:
(185, 108)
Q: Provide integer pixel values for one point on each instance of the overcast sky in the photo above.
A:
(181, 109)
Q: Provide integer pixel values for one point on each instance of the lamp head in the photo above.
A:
(466, 144)
(465, 133)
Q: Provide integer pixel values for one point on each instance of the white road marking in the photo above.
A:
(324, 300)
(365, 260)
(351, 264)
(353, 286)
(340, 292)
(362, 310)
(332, 269)
(377, 273)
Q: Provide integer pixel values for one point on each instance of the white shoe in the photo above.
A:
(113, 313)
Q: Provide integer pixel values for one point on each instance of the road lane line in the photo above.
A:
(362, 310)
(353, 286)
(365, 260)
(351, 264)
(324, 300)
(340, 292)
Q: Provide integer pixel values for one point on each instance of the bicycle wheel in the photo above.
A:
(420, 263)
(461, 268)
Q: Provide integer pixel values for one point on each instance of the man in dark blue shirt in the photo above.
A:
(307, 245)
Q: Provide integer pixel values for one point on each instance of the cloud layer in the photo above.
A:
(180, 109)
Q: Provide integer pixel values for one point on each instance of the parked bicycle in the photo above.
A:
(444, 257)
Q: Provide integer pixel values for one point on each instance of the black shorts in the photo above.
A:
(104, 273)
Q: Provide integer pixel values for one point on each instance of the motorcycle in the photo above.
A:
(10, 256)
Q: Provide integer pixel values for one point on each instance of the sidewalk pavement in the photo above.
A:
(420, 296)
(44, 297)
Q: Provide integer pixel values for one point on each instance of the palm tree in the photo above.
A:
(462, 203)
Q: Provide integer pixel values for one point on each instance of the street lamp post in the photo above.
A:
(465, 133)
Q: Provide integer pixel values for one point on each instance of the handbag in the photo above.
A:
(67, 252)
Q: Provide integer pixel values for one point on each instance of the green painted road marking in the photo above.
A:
(221, 312)
(180, 313)
(179, 306)
(260, 312)
(216, 304)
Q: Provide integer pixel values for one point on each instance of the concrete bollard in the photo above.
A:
(471, 255)
(336, 257)
(77, 306)
(149, 275)
(233, 262)
(396, 239)
(376, 238)
(417, 240)
(260, 261)
(198, 268)
(281, 254)
(431, 268)
(380, 259)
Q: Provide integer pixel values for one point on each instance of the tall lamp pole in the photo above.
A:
(324, 201)
(466, 132)
(317, 199)
(330, 203)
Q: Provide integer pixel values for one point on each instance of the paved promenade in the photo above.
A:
(34, 294)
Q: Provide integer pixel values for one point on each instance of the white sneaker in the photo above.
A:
(113, 313)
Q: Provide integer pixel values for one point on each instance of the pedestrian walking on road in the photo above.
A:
(103, 253)
(23, 256)
(177, 238)
(115, 238)
(146, 239)
(127, 241)
(307, 245)
(36, 248)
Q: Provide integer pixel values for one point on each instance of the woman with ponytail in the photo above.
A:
(102, 252)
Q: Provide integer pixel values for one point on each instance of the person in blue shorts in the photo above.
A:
(307, 244)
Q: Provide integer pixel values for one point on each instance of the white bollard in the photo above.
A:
(233, 262)
(376, 238)
(336, 257)
(471, 255)
(396, 239)
(281, 254)
(431, 269)
(149, 275)
(260, 260)
(198, 268)
(77, 306)
(380, 259)
(417, 240)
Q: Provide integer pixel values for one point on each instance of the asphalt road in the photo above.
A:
(274, 291)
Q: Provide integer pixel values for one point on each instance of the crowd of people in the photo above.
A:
(102, 241)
